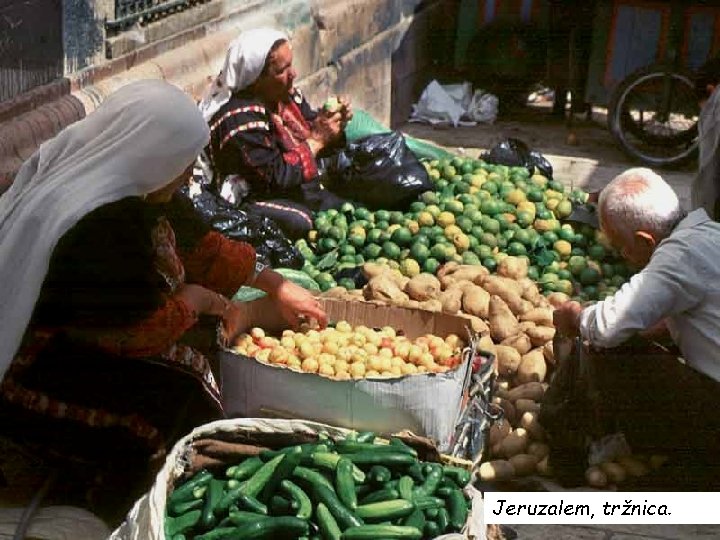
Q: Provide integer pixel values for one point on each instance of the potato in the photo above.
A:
(423, 287)
(411, 304)
(493, 284)
(513, 267)
(614, 472)
(508, 360)
(532, 367)
(526, 405)
(356, 294)
(467, 272)
(498, 431)
(538, 449)
(557, 299)
(515, 443)
(385, 289)
(451, 300)
(540, 335)
(503, 323)
(520, 342)
(525, 325)
(371, 270)
(532, 390)
(476, 301)
(529, 422)
(595, 477)
(544, 468)
(549, 353)
(633, 466)
(508, 409)
(524, 464)
(498, 469)
(336, 292)
(533, 295)
(446, 269)
(431, 305)
(477, 324)
(540, 316)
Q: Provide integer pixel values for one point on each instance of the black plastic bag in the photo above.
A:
(378, 171)
(515, 153)
(271, 245)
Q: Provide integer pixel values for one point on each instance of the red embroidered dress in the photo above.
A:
(104, 348)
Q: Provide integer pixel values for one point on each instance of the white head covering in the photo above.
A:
(139, 140)
(244, 63)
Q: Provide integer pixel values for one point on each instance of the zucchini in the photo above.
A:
(342, 514)
(385, 510)
(381, 495)
(182, 523)
(272, 528)
(431, 529)
(312, 478)
(405, 488)
(329, 528)
(304, 510)
(353, 447)
(388, 459)
(245, 469)
(185, 492)
(250, 503)
(219, 533)
(305, 449)
(458, 509)
(212, 499)
(401, 445)
(345, 484)
(431, 483)
(388, 532)
(432, 513)
(262, 476)
(428, 502)
(415, 470)
(443, 520)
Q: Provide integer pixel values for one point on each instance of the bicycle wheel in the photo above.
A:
(653, 116)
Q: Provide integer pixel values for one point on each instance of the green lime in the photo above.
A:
(490, 263)
(516, 248)
(431, 266)
(420, 252)
(372, 252)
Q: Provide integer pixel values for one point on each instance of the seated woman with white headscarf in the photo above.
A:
(105, 273)
(265, 137)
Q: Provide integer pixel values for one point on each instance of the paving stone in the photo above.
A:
(558, 532)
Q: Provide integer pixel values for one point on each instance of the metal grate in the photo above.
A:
(129, 12)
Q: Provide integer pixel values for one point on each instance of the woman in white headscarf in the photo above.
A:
(265, 137)
(105, 272)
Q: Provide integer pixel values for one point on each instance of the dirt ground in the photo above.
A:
(591, 163)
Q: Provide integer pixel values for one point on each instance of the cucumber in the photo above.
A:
(424, 503)
(273, 528)
(212, 499)
(443, 520)
(353, 447)
(458, 509)
(381, 495)
(329, 461)
(431, 483)
(299, 496)
(379, 475)
(245, 469)
(365, 437)
(240, 517)
(399, 444)
(262, 476)
(385, 510)
(388, 459)
(312, 478)
(284, 470)
(388, 532)
(416, 519)
(182, 523)
(280, 506)
(342, 514)
(431, 529)
(219, 533)
(415, 470)
(460, 476)
(405, 487)
(329, 528)
(184, 507)
(345, 484)
(185, 492)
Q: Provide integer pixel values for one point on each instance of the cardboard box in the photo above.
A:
(427, 404)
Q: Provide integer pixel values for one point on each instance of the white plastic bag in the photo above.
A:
(455, 104)
(483, 107)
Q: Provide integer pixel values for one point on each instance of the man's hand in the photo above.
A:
(566, 319)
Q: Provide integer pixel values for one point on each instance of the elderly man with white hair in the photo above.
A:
(678, 289)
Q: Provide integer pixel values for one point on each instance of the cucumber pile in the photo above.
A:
(350, 489)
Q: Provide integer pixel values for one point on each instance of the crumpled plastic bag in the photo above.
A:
(378, 171)
(271, 245)
(515, 153)
(455, 104)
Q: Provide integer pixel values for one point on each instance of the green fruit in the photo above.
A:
(564, 286)
(391, 250)
(490, 207)
(525, 218)
(456, 207)
(535, 195)
(465, 224)
(589, 276)
(431, 266)
(382, 215)
(576, 264)
(490, 187)
(402, 236)
(524, 237)
(438, 252)
(325, 281)
(417, 206)
(363, 213)
(420, 252)
(397, 217)
(347, 283)
(489, 239)
(490, 225)
(326, 244)
(470, 258)
(374, 235)
(566, 233)
(490, 263)
(591, 292)
(550, 237)
(483, 251)
(516, 248)
(596, 252)
(556, 186)
(533, 273)
(346, 249)
(372, 252)
(356, 240)
(564, 273)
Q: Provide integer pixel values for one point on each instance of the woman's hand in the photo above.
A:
(327, 128)
(345, 109)
(292, 301)
(234, 320)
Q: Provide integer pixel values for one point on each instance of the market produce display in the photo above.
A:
(350, 489)
(477, 215)
(343, 352)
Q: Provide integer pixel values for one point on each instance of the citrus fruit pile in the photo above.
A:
(477, 214)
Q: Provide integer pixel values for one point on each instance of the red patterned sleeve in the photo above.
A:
(302, 155)
(219, 263)
(153, 335)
